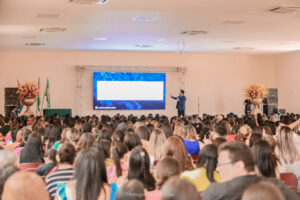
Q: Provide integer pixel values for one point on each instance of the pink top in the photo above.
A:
(112, 173)
(18, 150)
(7, 139)
(230, 138)
(153, 195)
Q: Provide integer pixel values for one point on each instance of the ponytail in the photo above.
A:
(118, 153)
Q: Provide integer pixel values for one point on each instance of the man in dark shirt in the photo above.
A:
(5, 129)
(236, 168)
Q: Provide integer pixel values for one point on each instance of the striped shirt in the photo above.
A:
(58, 177)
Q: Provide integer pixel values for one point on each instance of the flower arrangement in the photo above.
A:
(27, 90)
(256, 91)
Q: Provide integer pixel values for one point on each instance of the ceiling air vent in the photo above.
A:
(243, 48)
(35, 44)
(144, 46)
(194, 32)
(89, 1)
(285, 9)
(52, 30)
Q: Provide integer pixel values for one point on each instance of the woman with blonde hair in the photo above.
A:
(286, 150)
(190, 139)
(156, 143)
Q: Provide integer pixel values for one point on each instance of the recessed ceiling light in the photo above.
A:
(144, 19)
(161, 40)
(144, 45)
(243, 48)
(52, 29)
(100, 38)
(191, 32)
(35, 44)
(285, 9)
(89, 1)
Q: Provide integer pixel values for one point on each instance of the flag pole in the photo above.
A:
(43, 101)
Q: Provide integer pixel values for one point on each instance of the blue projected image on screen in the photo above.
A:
(129, 91)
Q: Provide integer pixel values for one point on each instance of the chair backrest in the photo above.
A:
(290, 180)
(195, 158)
(30, 167)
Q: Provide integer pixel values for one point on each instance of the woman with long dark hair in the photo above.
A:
(139, 168)
(266, 160)
(33, 150)
(205, 173)
(90, 180)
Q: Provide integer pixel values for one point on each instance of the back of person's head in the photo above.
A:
(165, 169)
(179, 189)
(221, 130)
(132, 141)
(103, 146)
(286, 146)
(254, 138)
(258, 130)
(8, 157)
(51, 155)
(265, 158)
(24, 185)
(66, 153)
(119, 150)
(239, 151)
(166, 129)
(33, 150)
(189, 132)
(218, 141)
(72, 135)
(262, 191)
(90, 174)
(208, 158)
(5, 173)
(87, 140)
(87, 127)
(175, 148)
(131, 190)
(105, 134)
(143, 132)
(139, 168)
(118, 136)
(156, 143)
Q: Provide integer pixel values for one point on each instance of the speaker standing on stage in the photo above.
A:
(181, 99)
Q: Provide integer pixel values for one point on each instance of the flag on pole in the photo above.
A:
(47, 94)
(38, 99)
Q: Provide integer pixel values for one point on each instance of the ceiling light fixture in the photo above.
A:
(100, 38)
(144, 19)
(192, 32)
(35, 44)
(52, 29)
(89, 1)
(144, 45)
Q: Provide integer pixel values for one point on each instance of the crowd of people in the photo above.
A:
(149, 157)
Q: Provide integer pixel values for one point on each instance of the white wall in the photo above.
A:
(287, 76)
(217, 79)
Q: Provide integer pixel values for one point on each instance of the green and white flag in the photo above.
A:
(39, 99)
(47, 94)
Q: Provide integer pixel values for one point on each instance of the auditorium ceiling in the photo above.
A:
(251, 26)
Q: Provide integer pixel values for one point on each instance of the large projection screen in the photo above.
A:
(129, 91)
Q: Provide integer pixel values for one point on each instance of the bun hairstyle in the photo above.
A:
(118, 152)
(66, 153)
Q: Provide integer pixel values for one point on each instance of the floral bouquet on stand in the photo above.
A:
(256, 92)
(28, 92)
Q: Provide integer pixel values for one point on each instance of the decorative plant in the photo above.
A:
(27, 90)
(256, 91)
